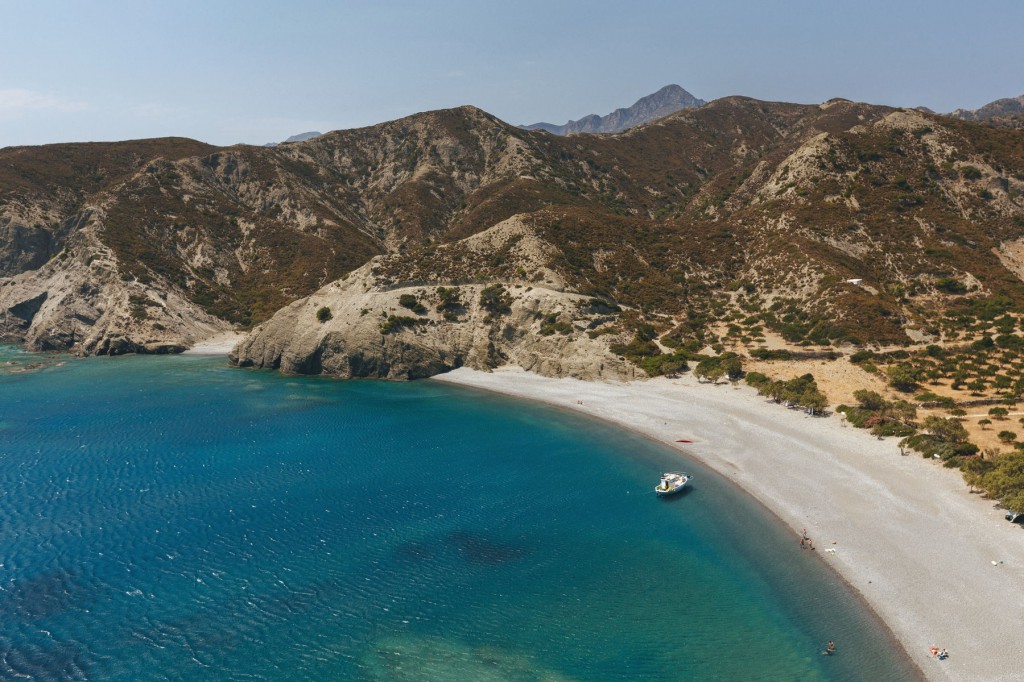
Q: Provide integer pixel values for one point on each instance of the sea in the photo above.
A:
(174, 518)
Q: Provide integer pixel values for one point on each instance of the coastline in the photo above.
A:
(907, 535)
(218, 344)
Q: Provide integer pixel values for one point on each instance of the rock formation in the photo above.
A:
(366, 325)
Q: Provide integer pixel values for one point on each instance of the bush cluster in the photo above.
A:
(412, 303)
(496, 301)
(396, 323)
(799, 391)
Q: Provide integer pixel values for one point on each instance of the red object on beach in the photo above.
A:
(684, 440)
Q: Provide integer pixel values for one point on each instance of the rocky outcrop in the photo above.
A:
(79, 301)
(371, 335)
(365, 326)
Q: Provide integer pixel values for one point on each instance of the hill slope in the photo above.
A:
(717, 223)
(713, 225)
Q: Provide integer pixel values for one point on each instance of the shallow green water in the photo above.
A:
(173, 518)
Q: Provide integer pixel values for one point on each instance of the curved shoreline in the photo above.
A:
(908, 536)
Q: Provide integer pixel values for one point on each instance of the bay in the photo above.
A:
(174, 518)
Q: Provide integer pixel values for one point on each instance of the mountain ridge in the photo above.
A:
(739, 205)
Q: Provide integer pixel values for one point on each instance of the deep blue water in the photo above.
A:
(174, 518)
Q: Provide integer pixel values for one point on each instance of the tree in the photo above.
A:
(709, 369)
(815, 401)
(1004, 480)
(948, 430)
(904, 411)
(1007, 436)
(449, 303)
(732, 365)
(983, 423)
(495, 300)
(998, 412)
(974, 470)
(904, 377)
(323, 314)
(869, 400)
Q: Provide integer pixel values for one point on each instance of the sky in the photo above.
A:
(227, 71)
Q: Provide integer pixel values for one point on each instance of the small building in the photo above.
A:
(856, 281)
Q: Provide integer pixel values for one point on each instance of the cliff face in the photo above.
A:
(79, 300)
(367, 325)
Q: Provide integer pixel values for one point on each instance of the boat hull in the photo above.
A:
(671, 484)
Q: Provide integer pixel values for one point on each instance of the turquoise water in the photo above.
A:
(173, 518)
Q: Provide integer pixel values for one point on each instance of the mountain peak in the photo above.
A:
(993, 111)
(665, 101)
(301, 137)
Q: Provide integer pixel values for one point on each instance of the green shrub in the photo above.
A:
(862, 355)
(766, 354)
(950, 285)
(409, 301)
(396, 323)
(970, 173)
(555, 326)
(665, 364)
(757, 379)
(712, 369)
(323, 314)
(636, 350)
(495, 300)
(904, 377)
(450, 303)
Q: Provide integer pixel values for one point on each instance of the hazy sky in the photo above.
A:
(228, 71)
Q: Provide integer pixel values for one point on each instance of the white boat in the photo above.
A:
(671, 483)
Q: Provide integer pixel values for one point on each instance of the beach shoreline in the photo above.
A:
(218, 344)
(937, 564)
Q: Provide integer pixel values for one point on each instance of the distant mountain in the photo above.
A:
(301, 137)
(1009, 110)
(668, 100)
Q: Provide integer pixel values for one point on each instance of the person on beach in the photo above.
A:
(934, 651)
